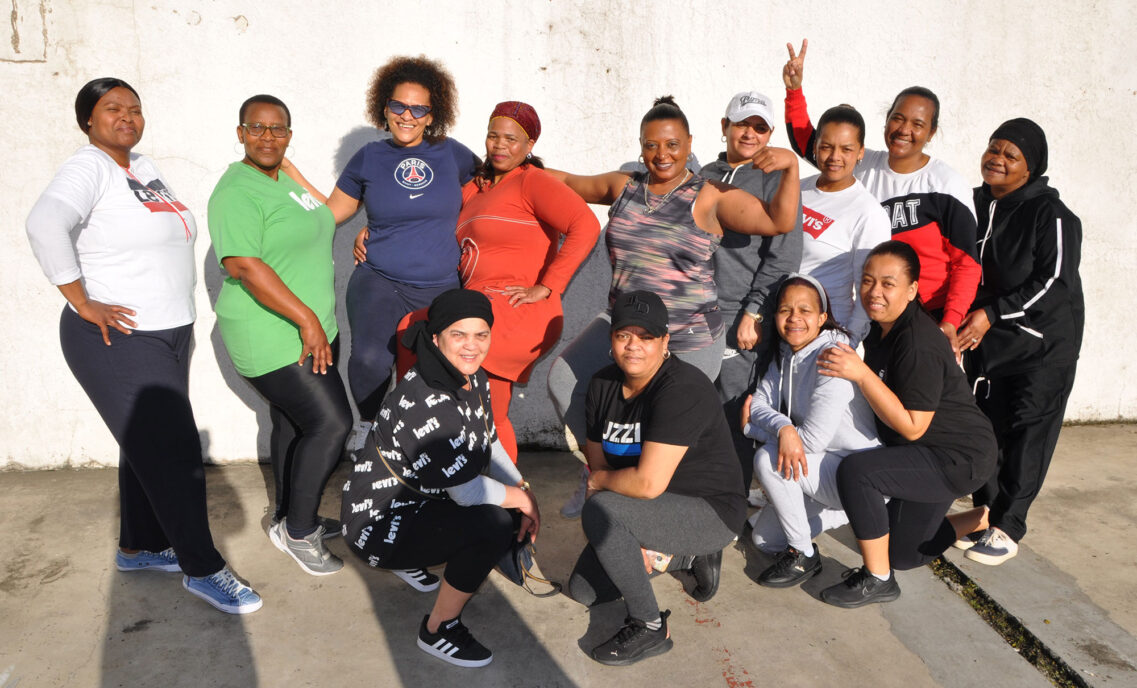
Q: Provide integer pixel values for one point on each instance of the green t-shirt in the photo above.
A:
(251, 215)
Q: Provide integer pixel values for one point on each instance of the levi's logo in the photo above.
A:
(813, 222)
(155, 196)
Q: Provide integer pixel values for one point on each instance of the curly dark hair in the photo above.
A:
(425, 72)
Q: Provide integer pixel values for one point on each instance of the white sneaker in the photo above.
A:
(968, 541)
(357, 437)
(757, 498)
(993, 548)
(575, 503)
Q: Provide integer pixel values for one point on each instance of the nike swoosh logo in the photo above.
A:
(415, 195)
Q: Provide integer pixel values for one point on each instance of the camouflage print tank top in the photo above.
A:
(658, 247)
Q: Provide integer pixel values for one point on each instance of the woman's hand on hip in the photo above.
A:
(519, 295)
(106, 315)
(359, 248)
(315, 344)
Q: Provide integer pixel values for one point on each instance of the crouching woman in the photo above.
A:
(807, 423)
(664, 478)
(434, 485)
(938, 445)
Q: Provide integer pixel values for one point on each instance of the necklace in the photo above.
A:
(665, 197)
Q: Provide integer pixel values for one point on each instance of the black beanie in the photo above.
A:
(457, 304)
(447, 308)
(1030, 139)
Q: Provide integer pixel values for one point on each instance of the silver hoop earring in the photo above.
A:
(667, 354)
(528, 156)
(642, 160)
(610, 355)
(724, 138)
(239, 148)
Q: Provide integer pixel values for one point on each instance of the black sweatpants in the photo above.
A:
(470, 540)
(915, 516)
(1026, 411)
(140, 386)
(310, 418)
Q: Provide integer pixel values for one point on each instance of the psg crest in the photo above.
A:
(413, 174)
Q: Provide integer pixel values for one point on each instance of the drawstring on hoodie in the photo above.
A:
(975, 387)
(729, 176)
(983, 241)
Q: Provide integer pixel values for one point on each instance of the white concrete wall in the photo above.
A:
(591, 69)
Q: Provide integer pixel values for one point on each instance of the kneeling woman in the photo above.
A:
(807, 424)
(664, 477)
(434, 484)
(938, 444)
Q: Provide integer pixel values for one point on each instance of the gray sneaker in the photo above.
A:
(332, 527)
(309, 551)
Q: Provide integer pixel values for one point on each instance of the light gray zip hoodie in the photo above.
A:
(829, 413)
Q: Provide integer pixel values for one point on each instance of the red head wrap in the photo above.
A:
(522, 113)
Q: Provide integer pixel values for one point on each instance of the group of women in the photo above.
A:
(708, 268)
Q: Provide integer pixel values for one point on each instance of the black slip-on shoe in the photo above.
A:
(707, 569)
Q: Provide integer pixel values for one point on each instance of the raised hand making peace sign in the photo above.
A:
(791, 73)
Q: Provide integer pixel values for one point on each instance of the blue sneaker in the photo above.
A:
(165, 560)
(225, 592)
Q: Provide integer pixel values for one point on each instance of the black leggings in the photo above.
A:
(140, 386)
(915, 516)
(470, 540)
(310, 420)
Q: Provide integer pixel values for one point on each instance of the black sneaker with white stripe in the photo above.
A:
(453, 643)
(419, 579)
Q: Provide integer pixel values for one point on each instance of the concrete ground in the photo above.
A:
(68, 618)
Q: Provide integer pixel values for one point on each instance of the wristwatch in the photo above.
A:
(756, 316)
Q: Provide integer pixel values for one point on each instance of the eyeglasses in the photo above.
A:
(417, 111)
(257, 130)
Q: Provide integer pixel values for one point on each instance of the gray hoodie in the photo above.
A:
(748, 269)
(830, 413)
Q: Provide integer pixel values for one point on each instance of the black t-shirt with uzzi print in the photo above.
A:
(680, 407)
(433, 438)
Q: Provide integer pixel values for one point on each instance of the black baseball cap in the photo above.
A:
(640, 308)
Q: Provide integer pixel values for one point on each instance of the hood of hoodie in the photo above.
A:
(798, 368)
(723, 171)
(1034, 189)
(994, 213)
(824, 340)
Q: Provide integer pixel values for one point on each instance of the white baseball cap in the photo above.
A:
(748, 104)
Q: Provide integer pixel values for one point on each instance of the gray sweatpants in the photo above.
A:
(612, 566)
(572, 370)
(804, 507)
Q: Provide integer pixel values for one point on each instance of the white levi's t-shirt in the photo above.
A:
(135, 244)
(841, 228)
